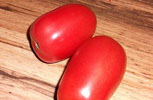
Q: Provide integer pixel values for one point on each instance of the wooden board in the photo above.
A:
(24, 77)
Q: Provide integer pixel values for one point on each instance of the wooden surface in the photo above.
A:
(24, 77)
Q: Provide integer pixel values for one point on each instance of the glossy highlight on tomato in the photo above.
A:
(94, 71)
(57, 34)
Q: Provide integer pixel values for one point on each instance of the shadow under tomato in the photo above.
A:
(57, 86)
(29, 39)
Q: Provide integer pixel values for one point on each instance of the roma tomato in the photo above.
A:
(94, 71)
(56, 34)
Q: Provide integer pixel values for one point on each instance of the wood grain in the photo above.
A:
(24, 77)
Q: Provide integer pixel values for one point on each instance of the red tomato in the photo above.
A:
(94, 71)
(57, 34)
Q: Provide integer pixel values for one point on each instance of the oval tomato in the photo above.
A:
(94, 71)
(56, 34)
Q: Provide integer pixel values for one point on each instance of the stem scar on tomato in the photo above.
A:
(36, 45)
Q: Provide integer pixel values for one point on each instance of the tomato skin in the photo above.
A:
(57, 34)
(94, 71)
